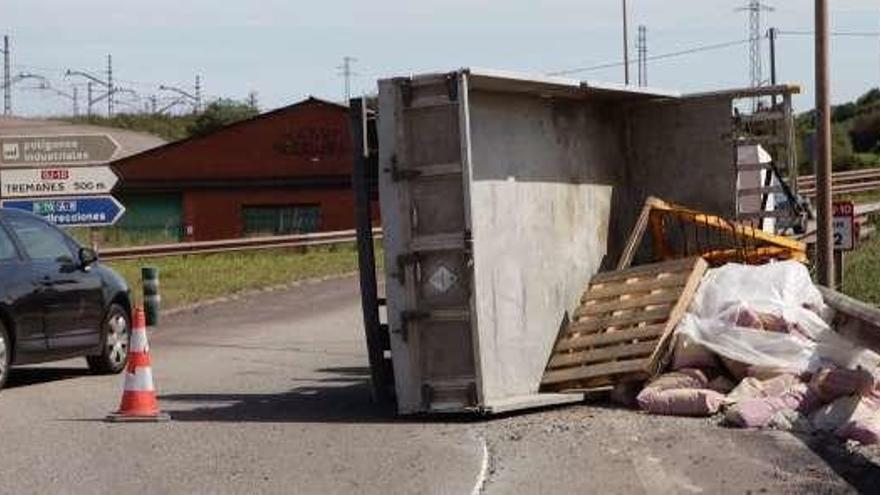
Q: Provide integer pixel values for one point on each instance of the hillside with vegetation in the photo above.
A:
(855, 133)
(175, 127)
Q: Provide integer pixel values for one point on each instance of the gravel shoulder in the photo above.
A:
(596, 446)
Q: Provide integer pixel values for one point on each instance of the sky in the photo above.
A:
(286, 50)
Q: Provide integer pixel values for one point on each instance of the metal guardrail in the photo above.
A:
(851, 181)
(228, 245)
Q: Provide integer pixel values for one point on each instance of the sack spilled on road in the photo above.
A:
(756, 347)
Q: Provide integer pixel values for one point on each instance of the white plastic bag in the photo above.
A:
(736, 302)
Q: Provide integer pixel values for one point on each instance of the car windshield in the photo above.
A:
(7, 248)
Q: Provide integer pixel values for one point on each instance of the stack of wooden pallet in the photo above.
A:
(622, 330)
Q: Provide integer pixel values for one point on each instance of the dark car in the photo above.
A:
(56, 300)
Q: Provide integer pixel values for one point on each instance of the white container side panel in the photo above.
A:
(428, 265)
(406, 385)
(543, 173)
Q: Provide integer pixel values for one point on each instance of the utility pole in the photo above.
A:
(198, 93)
(110, 88)
(346, 74)
(772, 35)
(90, 90)
(824, 239)
(642, 47)
(92, 80)
(625, 45)
(754, 8)
(194, 99)
(7, 78)
(75, 101)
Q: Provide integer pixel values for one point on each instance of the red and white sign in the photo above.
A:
(844, 223)
(56, 181)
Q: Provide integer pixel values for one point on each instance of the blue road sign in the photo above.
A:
(73, 211)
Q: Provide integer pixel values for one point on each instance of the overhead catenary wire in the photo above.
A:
(661, 56)
(842, 34)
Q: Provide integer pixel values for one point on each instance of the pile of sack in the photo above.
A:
(756, 347)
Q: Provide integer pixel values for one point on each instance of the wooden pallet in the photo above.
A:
(622, 330)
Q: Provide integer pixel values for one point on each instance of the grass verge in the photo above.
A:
(861, 278)
(193, 278)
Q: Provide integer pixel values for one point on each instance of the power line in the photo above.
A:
(662, 56)
(854, 34)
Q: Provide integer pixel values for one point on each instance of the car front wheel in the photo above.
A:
(5, 355)
(115, 334)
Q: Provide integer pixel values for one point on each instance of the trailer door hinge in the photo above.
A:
(405, 318)
(452, 86)
(398, 174)
(403, 261)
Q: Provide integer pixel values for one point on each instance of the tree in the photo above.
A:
(842, 155)
(219, 114)
(870, 97)
(865, 131)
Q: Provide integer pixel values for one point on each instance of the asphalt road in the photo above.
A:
(268, 395)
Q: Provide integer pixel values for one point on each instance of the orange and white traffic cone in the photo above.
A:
(139, 402)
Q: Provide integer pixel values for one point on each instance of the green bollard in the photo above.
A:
(150, 278)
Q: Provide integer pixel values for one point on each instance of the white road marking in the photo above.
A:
(484, 469)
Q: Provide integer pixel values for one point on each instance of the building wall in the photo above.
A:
(216, 214)
(297, 155)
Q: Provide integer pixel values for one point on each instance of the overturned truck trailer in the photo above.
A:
(502, 194)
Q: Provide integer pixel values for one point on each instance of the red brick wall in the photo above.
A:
(216, 214)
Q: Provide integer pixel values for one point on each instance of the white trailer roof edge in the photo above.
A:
(550, 86)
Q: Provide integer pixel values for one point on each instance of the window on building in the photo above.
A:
(279, 220)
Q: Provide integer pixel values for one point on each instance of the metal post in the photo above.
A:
(643, 55)
(824, 240)
(7, 78)
(198, 94)
(109, 85)
(152, 300)
(366, 255)
(75, 101)
(625, 46)
(89, 90)
(839, 258)
(772, 37)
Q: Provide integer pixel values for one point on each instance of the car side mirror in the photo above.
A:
(87, 257)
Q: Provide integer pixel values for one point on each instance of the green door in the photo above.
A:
(149, 219)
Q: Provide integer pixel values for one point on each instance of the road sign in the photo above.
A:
(844, 221)
(56, 150)
(74, 211)
(56, 181)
